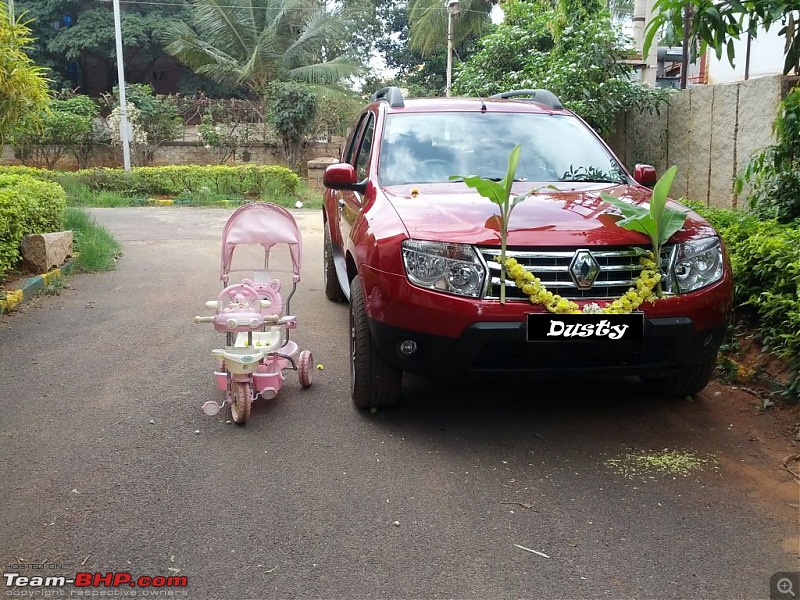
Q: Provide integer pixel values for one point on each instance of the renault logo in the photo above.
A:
(584, 269)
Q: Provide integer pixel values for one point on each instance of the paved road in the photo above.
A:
(108, 464)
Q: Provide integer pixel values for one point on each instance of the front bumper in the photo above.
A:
(496, 348)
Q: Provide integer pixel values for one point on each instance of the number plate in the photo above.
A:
(597, 328)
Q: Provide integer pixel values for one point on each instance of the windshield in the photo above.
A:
(430, 147)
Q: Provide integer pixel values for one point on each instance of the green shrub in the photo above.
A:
(27, 205)
(65, 127)
(153, 118)
(246, 180)
(34, 172)
(765, 256)
(249, 180)
(774, 172)
(291, 113)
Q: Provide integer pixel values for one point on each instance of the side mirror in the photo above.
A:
(645, 175)
(342, 176)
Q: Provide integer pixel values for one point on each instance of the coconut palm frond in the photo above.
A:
(429, 23)
(327, 73)
(225, 22)
(253, 42)
(213, 62)
(320, 28)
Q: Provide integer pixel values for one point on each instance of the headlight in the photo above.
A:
(694, 265)
(451, 268)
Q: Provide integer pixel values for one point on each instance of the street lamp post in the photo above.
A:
(452, 9)
(124, 129)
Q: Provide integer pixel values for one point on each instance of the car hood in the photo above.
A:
(572, 215)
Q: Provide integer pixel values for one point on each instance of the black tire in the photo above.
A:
(689, 382)
(333, 291)
(373, 382)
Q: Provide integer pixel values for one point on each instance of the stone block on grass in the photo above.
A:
(44, 251)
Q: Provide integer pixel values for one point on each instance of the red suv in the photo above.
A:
(417, 253)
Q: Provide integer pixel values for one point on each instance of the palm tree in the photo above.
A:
(428, 20)
(251, 43)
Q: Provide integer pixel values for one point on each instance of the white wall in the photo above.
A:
(766, 58)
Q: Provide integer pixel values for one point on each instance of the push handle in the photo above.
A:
(204, 319)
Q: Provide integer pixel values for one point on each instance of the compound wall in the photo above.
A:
(710, 132)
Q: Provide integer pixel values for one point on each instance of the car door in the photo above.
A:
(358, 154)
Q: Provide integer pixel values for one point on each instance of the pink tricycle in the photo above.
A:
(254, 318)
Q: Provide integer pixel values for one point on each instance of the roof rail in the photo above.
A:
(545, 97)
(392, 95)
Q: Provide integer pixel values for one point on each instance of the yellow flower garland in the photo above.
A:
(631, 300)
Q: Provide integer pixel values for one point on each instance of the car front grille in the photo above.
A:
(618, 270)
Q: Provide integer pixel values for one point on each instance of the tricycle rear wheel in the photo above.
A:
(304, 368)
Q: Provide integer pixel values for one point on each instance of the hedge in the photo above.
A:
(765, 256)
(27, 205)
(173, 180)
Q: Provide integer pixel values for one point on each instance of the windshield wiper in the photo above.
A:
(594, 180)
(517, 179)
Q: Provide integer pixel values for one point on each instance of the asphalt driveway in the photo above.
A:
(479, 492)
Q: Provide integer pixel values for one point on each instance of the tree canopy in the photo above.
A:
(577, 55)
(77, 36)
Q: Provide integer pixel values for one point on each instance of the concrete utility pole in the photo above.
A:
(642, 13)
(687, 24)
(124, 128)
(452, 7)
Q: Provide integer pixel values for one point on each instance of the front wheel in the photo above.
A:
(373, 382)
(689, 382)
(242, 398)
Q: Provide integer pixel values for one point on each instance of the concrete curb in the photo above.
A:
(32, 286)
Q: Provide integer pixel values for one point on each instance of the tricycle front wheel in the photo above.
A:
(241, 399)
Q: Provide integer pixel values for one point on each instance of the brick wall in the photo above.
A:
(194, 153)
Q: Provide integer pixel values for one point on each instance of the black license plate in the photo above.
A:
(550, 327)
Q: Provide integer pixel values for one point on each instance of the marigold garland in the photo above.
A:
(631, 300)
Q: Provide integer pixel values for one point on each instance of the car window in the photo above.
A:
(352, 143)
(430, 147)
(365, 149)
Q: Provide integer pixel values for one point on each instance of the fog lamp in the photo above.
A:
(407, 347)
